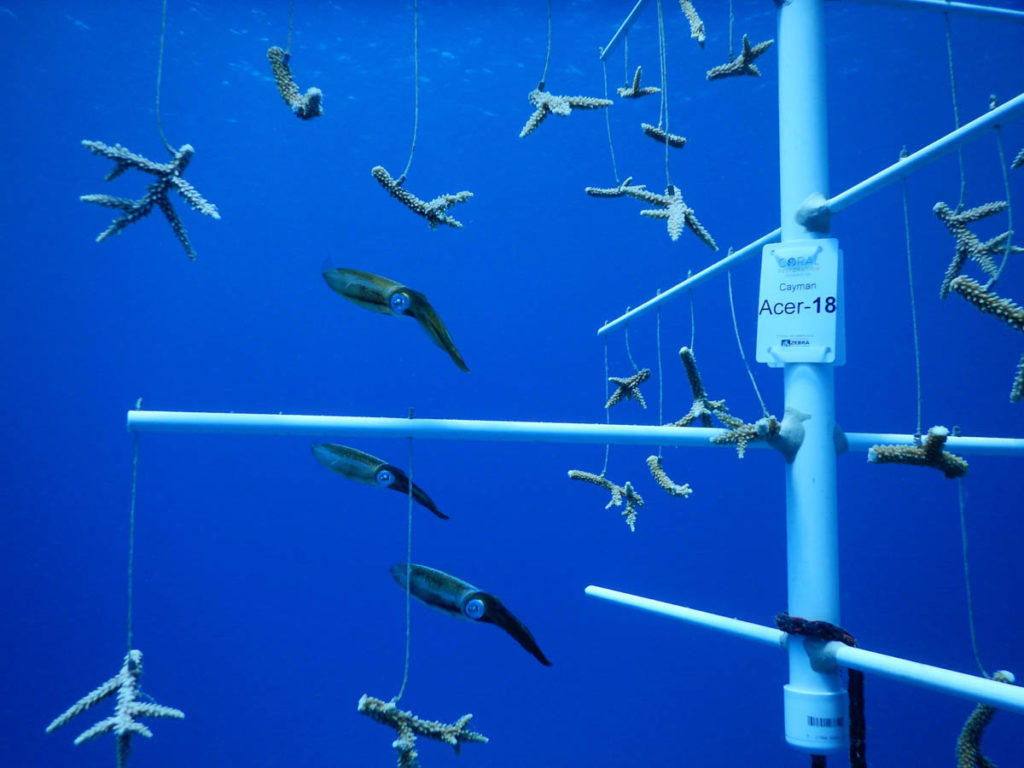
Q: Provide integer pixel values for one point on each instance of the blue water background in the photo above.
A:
(263, 602)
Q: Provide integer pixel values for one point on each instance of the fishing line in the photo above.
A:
(159, 77)
(408, 580)
(913, 308)
(607, 411)
(956, 112)
(547, 56)
(739, 344)
(291, 20)
(1009, 207)
(415, 87)
(962, 498)
(663, 108)
(131, 530)
(731, 21)
(693, 316)
(661, 376)
(608, 121)
(629, 353)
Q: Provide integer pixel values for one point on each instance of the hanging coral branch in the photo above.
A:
(305, 107)
(619, 493)
(671, 207)
(742, 64)
(629, 388)
(988, 301)
(672, 139)
(968, 746)
(169, 175)
(434, 211)
(635, 91)
(1018, 161)
(696, 25)
(662, 479)
(550, 104)
(1017, 390)
(740, 434)
(126, 685)
(409, 726)
(928, 455)
(968, 246)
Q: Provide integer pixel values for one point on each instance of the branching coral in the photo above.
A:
(930, 454)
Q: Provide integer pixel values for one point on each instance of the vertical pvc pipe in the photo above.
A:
(815, 703)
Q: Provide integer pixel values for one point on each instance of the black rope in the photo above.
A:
(823, 630)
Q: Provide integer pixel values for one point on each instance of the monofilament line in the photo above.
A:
(962, 499)
(291, 24)
(739, 344)
(956, 112)
(663, 108)
(661, 374)
(159, 78)
(1009, 207)
(629, 352)
(913, 310)
(415, 87)
(547, 56)
(607, 411)
(131, 532)
(408, 580)
(608, 121)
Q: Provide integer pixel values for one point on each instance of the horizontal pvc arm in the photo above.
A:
(504, 431)
(941, 6)
(970, 687)
(1004, 113)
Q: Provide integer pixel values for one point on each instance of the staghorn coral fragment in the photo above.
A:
(1017, 389)
(742, 64)
(930, 454)
(677, 213)
(741, 434)
(696, 25)
(968, 246)
(662, 479)
(629, 388)
(619, 493)
(635, 91)
(408, 726)
(306, 106)
(1018, 161)
(656, 133)
(126, 685)
(968, 745)
(169, 175)
(702, 408)
(549, 104)
(625, 188)
(989, 302)
(434, 211)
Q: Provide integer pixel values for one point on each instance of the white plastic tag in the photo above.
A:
(800, 311)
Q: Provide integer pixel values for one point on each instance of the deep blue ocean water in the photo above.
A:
(263, 602)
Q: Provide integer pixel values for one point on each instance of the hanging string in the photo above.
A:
(956, 113)
(739, 343)
(693, 317)
(1009, 204)
(415, 87)
(131, 531)
(962, 498)
(159, 77)
(547, 56)
(731, 21)
(291, 20)
(913, 307)
(607, 411)
(661, 376)
(629, 353)
(625, 58)
(608, 121)
(663, 109)
(408, 581)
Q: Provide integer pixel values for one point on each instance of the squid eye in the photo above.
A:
(399, 302)
(474, 608)
(385, 477)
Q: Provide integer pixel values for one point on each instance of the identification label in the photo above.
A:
(800, 311)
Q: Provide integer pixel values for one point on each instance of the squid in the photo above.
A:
(364, 468)
(456, 597)
(379, 294)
